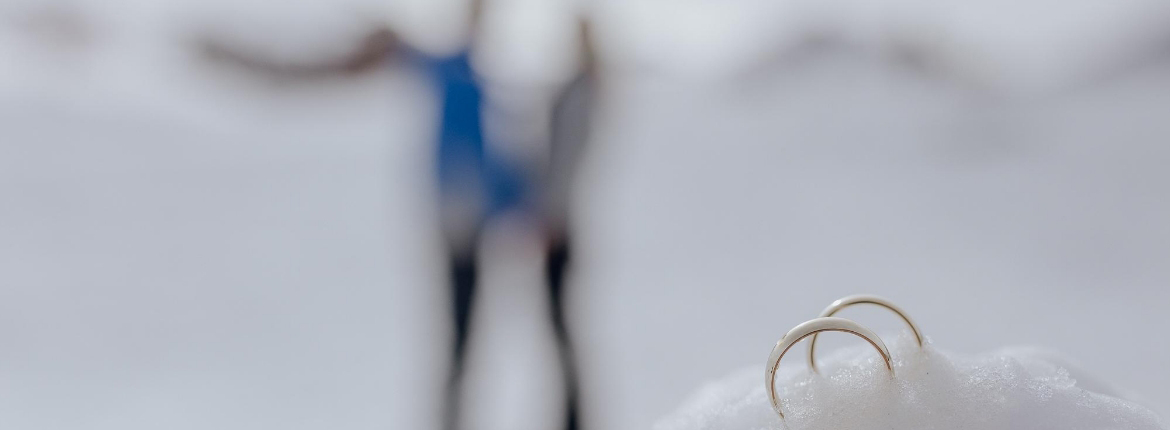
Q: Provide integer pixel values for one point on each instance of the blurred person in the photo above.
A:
(475, 183)
(568, 135)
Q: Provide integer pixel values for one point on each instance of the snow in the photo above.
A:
(183, 247)
(929, 389)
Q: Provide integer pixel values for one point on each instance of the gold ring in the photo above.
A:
(810, 328)
(858, 300)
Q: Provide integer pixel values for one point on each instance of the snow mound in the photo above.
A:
(1010, 389)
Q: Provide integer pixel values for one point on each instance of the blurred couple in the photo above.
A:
(476, 181)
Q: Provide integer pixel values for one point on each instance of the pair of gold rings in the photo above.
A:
(827, 322)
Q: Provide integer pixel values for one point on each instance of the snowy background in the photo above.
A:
(186, 247)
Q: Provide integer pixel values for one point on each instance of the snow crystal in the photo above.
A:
(1010, 389)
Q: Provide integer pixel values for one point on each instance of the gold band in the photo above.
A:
(811, 328)
(859, 300)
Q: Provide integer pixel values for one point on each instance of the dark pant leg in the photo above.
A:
(556, 265)
(463, 272)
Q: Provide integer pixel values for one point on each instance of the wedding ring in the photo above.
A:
(858, 300)
(811, 328)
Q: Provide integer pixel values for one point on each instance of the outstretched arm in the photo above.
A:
(373, 49)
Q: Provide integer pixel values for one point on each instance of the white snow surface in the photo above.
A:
(932, 388)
